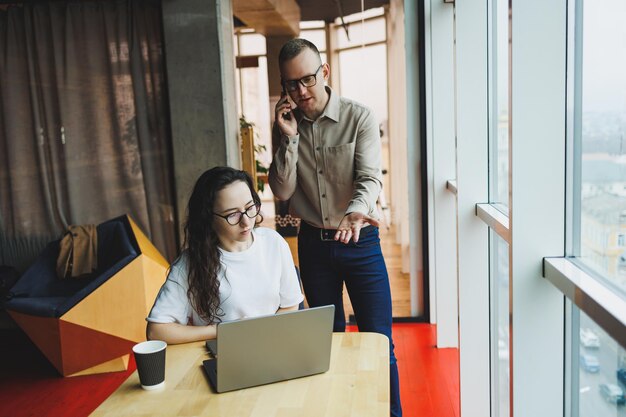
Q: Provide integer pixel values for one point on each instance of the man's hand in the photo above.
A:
(351, 225)
(283, 110)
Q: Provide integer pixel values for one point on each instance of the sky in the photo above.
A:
(604, 55)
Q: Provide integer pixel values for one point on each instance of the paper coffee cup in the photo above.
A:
(150, 358)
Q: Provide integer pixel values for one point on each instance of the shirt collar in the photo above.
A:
(332, 108)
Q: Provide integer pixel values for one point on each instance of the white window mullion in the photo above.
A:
(537, 215)
(442, 148)
(472, 183)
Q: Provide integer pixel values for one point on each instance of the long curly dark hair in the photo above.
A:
(201, 240)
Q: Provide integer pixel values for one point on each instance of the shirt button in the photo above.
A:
(320, 171)
(323, 195)
(326, 218)
(317, 149)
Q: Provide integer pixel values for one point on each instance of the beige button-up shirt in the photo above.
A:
(332, 166)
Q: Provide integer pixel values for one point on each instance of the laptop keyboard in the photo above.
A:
(211, 346)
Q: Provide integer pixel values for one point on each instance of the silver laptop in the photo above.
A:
(268, 349)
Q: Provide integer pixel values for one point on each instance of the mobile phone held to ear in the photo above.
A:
(286, 115)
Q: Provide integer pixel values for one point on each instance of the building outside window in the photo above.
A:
(598, 109)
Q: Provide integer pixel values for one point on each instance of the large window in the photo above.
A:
(362, 58)
(499, 84)
(600, 140)
(365, 28)
(252, 87)
(500, 336)
(598, 370)
(498, 48)
(366, 83)
(315, 32)
(598, 133)
(556, 120)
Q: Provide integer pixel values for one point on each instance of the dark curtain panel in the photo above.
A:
(84, 127)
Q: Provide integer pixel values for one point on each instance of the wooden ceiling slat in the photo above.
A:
(269, 17)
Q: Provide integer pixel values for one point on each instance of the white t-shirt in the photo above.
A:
(255, 282)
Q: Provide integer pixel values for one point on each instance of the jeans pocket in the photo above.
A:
(368, 240)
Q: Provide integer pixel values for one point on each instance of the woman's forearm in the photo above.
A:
(173, 333)
(282, 310)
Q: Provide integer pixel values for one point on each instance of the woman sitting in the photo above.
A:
(229, 268)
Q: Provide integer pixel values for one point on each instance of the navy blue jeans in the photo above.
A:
(326, 265)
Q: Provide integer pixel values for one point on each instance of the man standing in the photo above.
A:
(328, 164)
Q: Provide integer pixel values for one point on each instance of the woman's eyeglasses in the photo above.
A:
(235, 218)
(306, 81)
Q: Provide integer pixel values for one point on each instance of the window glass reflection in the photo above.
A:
(499, 104)
(600, 364)
(500, 339)
(602, 134)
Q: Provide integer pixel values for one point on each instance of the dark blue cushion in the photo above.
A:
(36, 306)
(40, 292)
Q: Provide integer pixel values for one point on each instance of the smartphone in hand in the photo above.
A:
(286, 115)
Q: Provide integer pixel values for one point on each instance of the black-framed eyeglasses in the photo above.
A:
(306, 81)
(235, 218)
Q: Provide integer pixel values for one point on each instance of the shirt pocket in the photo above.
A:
(339, 161)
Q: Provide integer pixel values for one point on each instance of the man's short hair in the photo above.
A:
(293, 48)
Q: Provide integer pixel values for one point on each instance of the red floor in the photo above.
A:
(429, 377)
(30, 386)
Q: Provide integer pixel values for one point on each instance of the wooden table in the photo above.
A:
(357, 384)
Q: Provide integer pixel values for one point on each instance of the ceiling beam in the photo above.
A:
(269, 17)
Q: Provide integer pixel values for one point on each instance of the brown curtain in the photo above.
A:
(84, 128)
